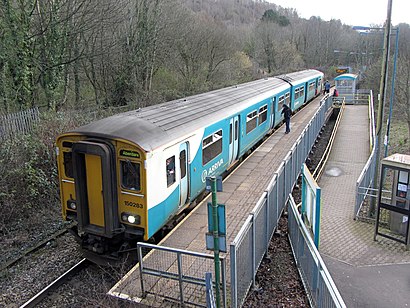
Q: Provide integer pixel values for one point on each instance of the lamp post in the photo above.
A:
(396, 51)
(380, 109)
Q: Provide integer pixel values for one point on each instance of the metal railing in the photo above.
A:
(176, 275)
(364, 184)
(321, 289)
(359, 97)
(251, 244)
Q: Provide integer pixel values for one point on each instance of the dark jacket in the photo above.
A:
(286, 111)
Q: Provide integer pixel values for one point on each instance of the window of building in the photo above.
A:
(170, 170)
(130, 175)
(251, 121)
(263, 114)
(211, 147)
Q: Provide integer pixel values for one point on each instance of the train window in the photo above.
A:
(287, 98)
(68, 164)
(182, 163)
(281, 101)
(67, 144)
(251, 121)
(230, 133)
(130, 175)
(273, 105)
(236, 130)
(302, 91)
(211, 147)
(297, 92)
(170, 169)
(263, 114)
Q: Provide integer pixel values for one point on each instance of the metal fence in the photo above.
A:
(176, 276)
(251, 243)
(364, 184)
(321, 289)
(18, 123)
(361, 96)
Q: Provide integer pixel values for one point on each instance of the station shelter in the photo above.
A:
(346, 86)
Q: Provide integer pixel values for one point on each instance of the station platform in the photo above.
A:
(367, 273)
(241, 191)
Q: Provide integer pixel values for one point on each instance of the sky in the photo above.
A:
(351, 12)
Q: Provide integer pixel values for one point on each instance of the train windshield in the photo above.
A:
(130, 175)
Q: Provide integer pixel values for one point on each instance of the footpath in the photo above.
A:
(367, 273)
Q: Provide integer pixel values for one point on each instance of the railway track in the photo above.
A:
(39, 297)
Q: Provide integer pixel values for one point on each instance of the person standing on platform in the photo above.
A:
(287, 112)
(327, 87)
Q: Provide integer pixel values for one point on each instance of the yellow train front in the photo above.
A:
(106, 199)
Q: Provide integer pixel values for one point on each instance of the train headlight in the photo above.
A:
(72, 205)
(131, 218)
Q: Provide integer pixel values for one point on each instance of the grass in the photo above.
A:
(399, 138)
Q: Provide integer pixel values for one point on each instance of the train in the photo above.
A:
(124, 178)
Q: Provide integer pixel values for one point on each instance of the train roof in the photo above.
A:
(300, 77)
(155, 126)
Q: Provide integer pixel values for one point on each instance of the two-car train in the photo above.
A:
(123, 178)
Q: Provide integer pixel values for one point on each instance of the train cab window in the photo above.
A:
(211, 147)
(263, 114)
(251, 121)
(287, 99)
(130, 175)
(170, 165)
(68, 164)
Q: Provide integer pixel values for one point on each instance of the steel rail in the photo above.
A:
(322, 163)
(40, 296)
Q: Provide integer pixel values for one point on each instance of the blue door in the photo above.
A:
(183, 165)
(272, 117)
(233, 139)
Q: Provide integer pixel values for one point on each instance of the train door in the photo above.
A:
(233, 139)
(94, 177)
(184, 176)
(272, 120)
